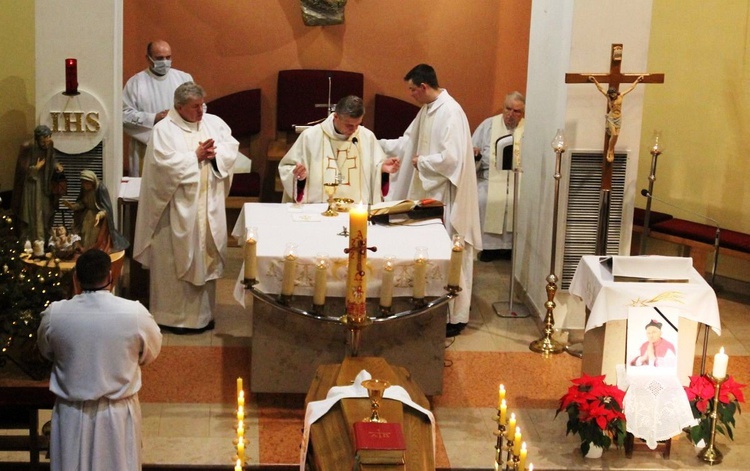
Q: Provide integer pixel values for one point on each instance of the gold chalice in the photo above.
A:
(375, 389)
(330, 189)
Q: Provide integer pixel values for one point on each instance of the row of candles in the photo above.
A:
(509, 432)
(356, 285)
(240, 442)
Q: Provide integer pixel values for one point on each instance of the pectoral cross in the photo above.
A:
(614, 103)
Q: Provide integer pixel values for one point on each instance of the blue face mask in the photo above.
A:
(162, 66)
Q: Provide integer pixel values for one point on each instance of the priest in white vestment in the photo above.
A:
(496, 183)
(146, 100)
(181, 229)
(337, 150)
(438, 163)
(97, 343)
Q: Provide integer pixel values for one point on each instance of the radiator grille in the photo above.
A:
(582, 214)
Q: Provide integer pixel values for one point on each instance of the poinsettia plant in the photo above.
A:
(701, 392)
(594, 412)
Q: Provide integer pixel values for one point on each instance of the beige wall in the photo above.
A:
(478, 48)
(16, 83)
(703, 109)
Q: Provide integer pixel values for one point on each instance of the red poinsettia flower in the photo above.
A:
(594, 411)
(701, 393)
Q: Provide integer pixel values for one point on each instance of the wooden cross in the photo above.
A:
(614, 78)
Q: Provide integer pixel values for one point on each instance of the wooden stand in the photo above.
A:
(631, 445)
(20, 401)
(331, 437)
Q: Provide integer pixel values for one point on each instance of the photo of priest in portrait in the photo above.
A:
(652, 338)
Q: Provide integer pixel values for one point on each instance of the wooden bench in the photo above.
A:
(696, 239)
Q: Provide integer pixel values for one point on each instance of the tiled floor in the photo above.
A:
(198, 429)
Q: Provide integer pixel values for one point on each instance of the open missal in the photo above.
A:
(405, 210)
(379, 443)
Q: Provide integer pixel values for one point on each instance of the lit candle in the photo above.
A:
(240, 431)
(500, 395)
(356, 281)
(238, 466)
(71, 76)
(239, 386)
(522, 457)
(517, 442)
(241, 451)
(240, 413)
(241, 399)
(511, 423)
(454, 269)
(251, 254)
(290, 270)
(503, 411)
(321, 270)
(386, 289)
(420, 272)
(531, 467)
(721, 360)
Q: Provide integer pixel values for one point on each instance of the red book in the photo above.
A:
(377, 442)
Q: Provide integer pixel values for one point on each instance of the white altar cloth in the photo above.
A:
(609, 300)
(280, 224)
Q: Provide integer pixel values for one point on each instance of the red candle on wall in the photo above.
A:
(71, 76)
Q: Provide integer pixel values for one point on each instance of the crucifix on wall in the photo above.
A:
(612, 131)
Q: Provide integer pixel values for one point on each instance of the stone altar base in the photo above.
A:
(287, 348)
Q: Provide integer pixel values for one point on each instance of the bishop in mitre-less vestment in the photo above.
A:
(181, 229)
(440, 136)
(325, 153)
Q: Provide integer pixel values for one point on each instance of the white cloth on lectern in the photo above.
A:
(655, 405)
(317, 409)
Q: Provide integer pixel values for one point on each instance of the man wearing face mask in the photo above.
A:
(146, 100)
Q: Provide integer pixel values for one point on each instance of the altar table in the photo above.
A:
(608, 302)
(281, 223)
(288, 348)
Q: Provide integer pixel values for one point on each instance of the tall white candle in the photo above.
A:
(250, 254)
(721, 360)
(454, 269)
(290, 270)
(321, 270)
(420, 273)
(386, 288)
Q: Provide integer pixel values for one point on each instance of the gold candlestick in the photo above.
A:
(546, 344)
(710, 454)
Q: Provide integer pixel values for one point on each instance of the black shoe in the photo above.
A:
(188, 331)
(492, 255)
(453, 330)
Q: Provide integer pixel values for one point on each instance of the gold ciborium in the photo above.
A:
(330, 189)
(375, 389)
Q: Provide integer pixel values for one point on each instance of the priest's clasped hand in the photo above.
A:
(206, 150)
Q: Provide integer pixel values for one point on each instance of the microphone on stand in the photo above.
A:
(645, 193)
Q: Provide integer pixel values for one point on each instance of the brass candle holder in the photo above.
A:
(710, 454)
(546, 344)
(500, 434)
(375, 390)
